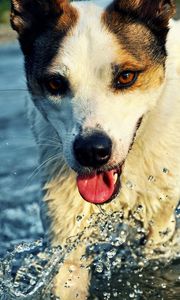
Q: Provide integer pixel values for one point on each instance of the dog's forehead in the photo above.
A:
(93, 42)
(88, 43)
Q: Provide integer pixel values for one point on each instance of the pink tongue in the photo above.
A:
(97, 188)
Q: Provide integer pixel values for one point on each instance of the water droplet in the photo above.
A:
(79, 218)
(107, 296)
(165, 170)
(99, 268)
(117, 262)
(115, 294)
(129, 185)
(111, 253)
(151, 178)
(118, 241)
(32, 281)
(139, 208)
(131, 295)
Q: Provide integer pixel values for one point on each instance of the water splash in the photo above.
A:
(27, 272)
(120, 268)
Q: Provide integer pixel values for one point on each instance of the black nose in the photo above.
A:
(93, 150)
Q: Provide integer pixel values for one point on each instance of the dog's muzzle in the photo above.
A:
(93, 150)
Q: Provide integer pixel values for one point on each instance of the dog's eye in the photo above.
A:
(57, 85)
(125, 79)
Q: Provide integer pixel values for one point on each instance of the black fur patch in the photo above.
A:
(122, 13)
(41, 27)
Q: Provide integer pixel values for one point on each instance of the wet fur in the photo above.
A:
(151, 173)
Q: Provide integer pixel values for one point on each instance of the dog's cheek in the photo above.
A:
(121, 121)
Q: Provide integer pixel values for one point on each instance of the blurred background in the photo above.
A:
(4, 7)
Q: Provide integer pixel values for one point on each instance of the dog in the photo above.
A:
(105, 112)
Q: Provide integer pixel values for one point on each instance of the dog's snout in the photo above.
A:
(93, 150)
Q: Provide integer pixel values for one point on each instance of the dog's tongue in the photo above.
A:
(97, 188)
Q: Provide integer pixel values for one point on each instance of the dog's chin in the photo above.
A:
(100, 186)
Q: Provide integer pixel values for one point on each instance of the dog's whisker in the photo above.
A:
(22, 147)
(50, 140)
(44, 163)
(39, 168)
(49, 143)
(53, 145)
(24, 139)
(23, 144)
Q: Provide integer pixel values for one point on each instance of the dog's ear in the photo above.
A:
(27, 15)
(31, 18)
(159, 10)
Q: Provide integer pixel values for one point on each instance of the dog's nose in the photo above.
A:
(93, 150)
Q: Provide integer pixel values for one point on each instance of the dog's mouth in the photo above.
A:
(99, 187)
(103, 186)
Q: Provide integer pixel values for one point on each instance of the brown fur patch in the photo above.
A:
(34, 18)
(68, 19)
(151, 72)
(152, 78)
(141, 26)
(134, 36)
(138, 47)
(147, 10)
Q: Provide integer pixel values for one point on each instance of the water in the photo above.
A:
(120, 266)
(19, 214)
(120, 269)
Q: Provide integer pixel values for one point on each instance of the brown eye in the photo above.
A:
(56, 85)
(126, 78)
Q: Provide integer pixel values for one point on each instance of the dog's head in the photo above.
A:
(94, 73)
